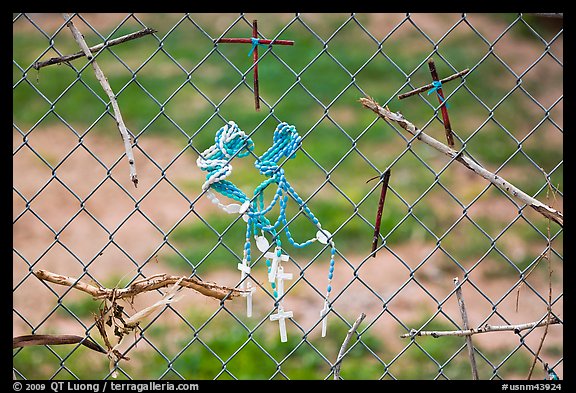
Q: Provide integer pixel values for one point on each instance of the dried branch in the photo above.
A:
(54, 339)
(484, 329)
(106, 86)
(93, 49)
(113, 315)
(464, 315)
(498, 181)
(345, 345)
(149, 284)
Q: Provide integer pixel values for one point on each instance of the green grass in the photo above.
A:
(205, 349)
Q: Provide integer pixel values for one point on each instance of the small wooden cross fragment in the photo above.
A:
(255, 41)
(437, 86)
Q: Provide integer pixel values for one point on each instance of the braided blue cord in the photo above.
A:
(231, 141)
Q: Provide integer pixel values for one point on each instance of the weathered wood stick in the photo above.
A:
(54, 339)
(484, 329)
(464, 314)
(93, 49)
(378, 223)
(344, 346)
(106, 86)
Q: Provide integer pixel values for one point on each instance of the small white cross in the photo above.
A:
(281, 276)
(275, 261)
(251, 290)
(324, 317)
(245, 269)
(281, 318)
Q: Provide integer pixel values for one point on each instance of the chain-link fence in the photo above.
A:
(442, 230)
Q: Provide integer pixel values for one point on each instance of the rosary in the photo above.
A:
(231, 141)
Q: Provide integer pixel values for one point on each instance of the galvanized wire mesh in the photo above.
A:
(76, 213)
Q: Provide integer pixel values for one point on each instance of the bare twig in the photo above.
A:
(154, 282)
(484, 329)
(106, 86)
(498, 181)
(93, 49)
(345, 345)
(54, 339)
(378, 222)
(464, 315)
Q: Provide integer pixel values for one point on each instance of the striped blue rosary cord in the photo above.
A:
(230, 140)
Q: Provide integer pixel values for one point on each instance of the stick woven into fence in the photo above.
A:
(484, 329)
(498, 181)
(93, 49)
(344, 346)
(54, 339)
(106, 86)
(464, 315)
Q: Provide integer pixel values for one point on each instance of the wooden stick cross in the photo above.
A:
(255, 41)
(437, 85)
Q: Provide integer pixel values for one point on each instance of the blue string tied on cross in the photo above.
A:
(255, 43)
(231, 142)
(437, 86)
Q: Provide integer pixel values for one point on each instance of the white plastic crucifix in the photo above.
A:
(281, 318)
(275, 257)
(245, 269)
(281, 276)
(282, 315)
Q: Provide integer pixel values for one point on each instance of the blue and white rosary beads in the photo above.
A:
(231, 141)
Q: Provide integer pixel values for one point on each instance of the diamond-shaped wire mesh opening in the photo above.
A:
(77, 214)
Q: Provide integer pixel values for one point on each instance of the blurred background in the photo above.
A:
(76, 212)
